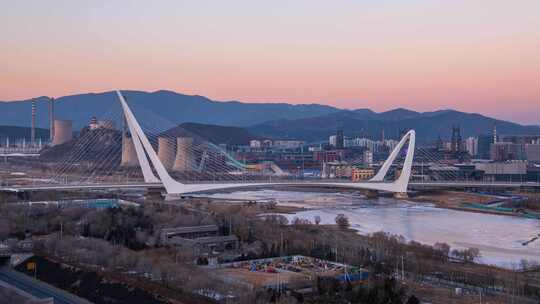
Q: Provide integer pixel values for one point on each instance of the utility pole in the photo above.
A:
(402, 269)
(302, 152)
(281, 249)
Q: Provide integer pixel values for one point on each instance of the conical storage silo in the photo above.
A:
(166, 151)
(185, 160)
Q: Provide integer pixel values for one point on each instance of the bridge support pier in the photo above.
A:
(401, 195)
(154, 194)
(372, 194)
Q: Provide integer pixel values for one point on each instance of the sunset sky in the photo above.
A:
(470, 55)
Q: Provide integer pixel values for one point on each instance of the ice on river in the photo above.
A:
(498, 237)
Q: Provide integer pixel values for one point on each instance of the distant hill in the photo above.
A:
(174, 107)
(311, 122)
(429, 126)
(213, 133)
(89, 145)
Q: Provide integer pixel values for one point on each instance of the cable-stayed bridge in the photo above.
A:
(187, 163)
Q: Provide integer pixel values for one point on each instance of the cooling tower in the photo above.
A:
(184, 160)
(129, 155)
(63, 132)
(166, 151)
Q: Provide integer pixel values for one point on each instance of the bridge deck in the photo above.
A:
(344, 184)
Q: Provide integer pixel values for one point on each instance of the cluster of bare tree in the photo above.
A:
(124, 239)
(165, 266)
(381, 252)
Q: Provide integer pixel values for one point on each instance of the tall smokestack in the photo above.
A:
(33, 131)
(51, 119)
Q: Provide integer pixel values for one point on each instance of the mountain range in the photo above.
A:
(310, 122)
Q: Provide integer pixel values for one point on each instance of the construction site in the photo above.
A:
(294, 272)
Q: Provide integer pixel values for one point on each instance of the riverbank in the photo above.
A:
(427, 218)
(475, 202)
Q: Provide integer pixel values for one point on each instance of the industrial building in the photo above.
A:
(101, 124)
(514, 171)
(202, 240)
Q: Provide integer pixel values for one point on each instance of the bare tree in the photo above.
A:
(342, 221)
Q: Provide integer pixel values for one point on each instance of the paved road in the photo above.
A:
(37, 288)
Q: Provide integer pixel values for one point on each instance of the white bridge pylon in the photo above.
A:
(145, 151)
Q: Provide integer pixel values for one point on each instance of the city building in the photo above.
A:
(471, 145)
(339, 140)
(328, 156)
(456, 143)
(483, 147)
(362, 174)
(288, 144)
(504, 151)
(368, 157)
(336, 169)
(532, 152)
(332, 140)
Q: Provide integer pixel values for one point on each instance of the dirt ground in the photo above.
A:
(453, 199)
(439, 295)
(259, 278)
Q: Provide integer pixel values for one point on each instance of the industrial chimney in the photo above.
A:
(51, 119)
(184, 160)
(33, 131)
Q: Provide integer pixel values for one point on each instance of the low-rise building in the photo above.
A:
(200, 239)
(362, 174)
(532, 152)
(510, 171)
(336, 169)
(504, 151)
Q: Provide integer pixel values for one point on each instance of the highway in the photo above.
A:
(37, 288)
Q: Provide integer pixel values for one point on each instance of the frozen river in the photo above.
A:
(498, 237)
